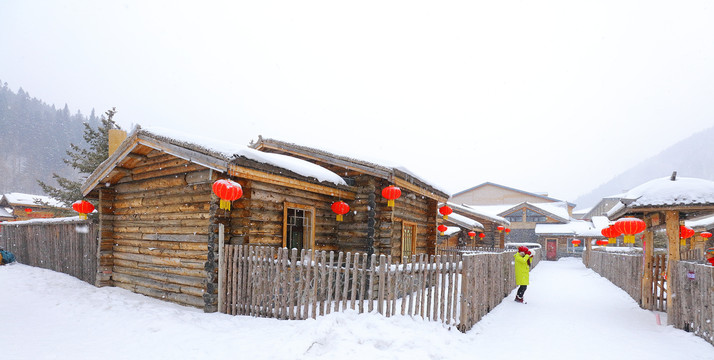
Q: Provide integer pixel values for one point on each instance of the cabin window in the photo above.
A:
(516, 216)
(409, 231)
(532, 216)
(298, 226)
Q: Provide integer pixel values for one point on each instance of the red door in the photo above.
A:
(551, 248)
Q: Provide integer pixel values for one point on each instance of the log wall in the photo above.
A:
(155, 226)
(68, 247)
(370, 227)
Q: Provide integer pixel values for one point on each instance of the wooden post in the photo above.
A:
(221, 270)
(672, 224)
(588, 248)
(648, 257)
(501, 239)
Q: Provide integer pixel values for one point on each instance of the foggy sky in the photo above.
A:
(548, 96)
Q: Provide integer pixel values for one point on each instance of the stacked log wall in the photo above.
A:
(160, 226)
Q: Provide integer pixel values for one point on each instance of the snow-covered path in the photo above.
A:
(572, 313)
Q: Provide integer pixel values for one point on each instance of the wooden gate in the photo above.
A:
(659, 282)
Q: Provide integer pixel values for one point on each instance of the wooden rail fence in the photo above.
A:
(623, 270)
(693, 310)
(280, 283)
(65, 245)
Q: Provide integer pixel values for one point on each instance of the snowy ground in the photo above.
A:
(572, 313)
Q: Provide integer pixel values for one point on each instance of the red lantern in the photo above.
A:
(629, 227)
(706, 234)
(391, 193)
(28, 210)
(611, 233)
(508, 230)
(481, 235)
(684, 233)
(500, 228)
(227, 191)
(83, 207)
(446, 211)
(340, 208)
(472, 234)
(441, 229)
(576, 242)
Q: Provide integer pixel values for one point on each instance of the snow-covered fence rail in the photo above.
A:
(623, 270)
(280, 283)
(66, 245)
(693, 309)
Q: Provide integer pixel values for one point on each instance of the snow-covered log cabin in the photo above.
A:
(159, 217)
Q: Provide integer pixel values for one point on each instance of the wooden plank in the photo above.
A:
(346, 283)
(381, 286)
(363, 282)
(355, 266)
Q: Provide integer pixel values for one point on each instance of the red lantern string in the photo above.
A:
(442, 229)
(629, 227)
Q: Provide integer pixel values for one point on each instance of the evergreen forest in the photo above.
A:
(34, 139)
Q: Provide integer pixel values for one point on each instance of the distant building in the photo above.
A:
(523, 210)
(27, 206)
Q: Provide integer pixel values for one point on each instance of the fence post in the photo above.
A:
(221, 271)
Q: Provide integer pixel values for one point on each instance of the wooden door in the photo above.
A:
(551, 249)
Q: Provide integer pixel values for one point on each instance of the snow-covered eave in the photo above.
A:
(535, 207)
(621, 210)
(219, 159)
(70, 219)
(397, 175)
(469, 210)
(465, 222)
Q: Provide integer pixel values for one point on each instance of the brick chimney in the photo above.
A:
(116, 137)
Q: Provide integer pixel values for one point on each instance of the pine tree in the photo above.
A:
(84, 160)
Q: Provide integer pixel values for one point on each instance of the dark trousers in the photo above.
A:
(521, 291)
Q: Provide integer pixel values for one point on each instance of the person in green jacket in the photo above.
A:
(522, 267)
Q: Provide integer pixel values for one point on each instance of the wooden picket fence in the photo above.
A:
(66, 245)
(285, 284)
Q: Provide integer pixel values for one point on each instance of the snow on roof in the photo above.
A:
(231, 150)
(460, 219)
(701, 223)
(30, 200)
(364, 158)
(667, 192)
(44, 220)
(574, 228)
(451, 230)
(600, 222)
(5, 212)
(559, 209)
(480, 212)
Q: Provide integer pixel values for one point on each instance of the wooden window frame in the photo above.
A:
(311, 210)
(414, 227)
